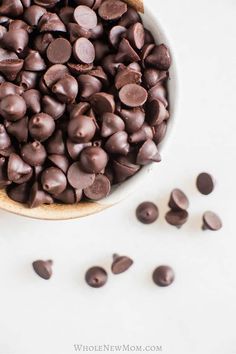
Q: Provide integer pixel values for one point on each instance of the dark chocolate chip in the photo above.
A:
(60, 161)
(34, 153)
(177, 218)
(66, 14)
(96, 277)
(103, 102)
(18, 129)
(43, 268)
(84, 51)
(66, 89)
(8, 88)
(126, 52)
(10, 68)
(136, 35)
(12, 107)
(163, 276)
(42, 41)
(12, 8)
(211, 221)
(148, 153)
(16, 40)
(85, 17)
(50, 22)
(81, 129)
(205, 183)
(158, 92)
(156, 112)
(153, 76)
(133, 119)
(55, 144)
(88, 85)
(59, 51)
(178, 200)
(5, 140)
(33, 14)
(27, 79)
(127, 76)
(124, 167)
(133, 95)
(53, 180)
(93, 159)
(143, 134)
(130, 17)
(115, 35)
(34, 62)
(160, 132)
(121, 264)
(78, 178)
(147, 212)
(75, 149)
(17, 170)
(111, 124)
(55, 73)
(41, 126)
(33, 100)
(112, 9)
(38, 196)
(4, 181)
(118, 143)
(159, 57)
(19, 192)
(99, 189)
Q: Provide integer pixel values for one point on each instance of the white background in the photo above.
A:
(196, 315)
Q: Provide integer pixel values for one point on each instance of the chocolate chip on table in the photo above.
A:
(147, 212)
(163, 276)
(205, 183)
(43, 268)
(178, 200)
(121, 264)
(177, 218)
(211, 221)
(96, 277)
(83, 98)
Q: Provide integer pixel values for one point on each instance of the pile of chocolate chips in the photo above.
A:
(83, 99)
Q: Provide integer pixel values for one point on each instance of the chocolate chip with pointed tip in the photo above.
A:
(147, 212)
(126, 52)
(42, 41)
(13, 8)
(121, 264)
(160, 132)
(96, 277)
(159, 57)
(38, 196)
(153, 76)
(18, 129)
(74, 149)
(127, 76)
(211, 221)
(66, 89)
(158, 92)
(27, 79)
(178, 200)
(43, 268)
(156, 112)
(103, 102)
(133, 119)
(177, 218)
(75, 32)
(111, 124)
(55, 144)
(66, 14)
(53, 107)
(130, 17)
(32, 99)
(148, 153)
(143, 134)
(5, 140)
(118, 143)
(136, 35)
(50, 22)
(34, 62)
(8, 88)
(41, 126)
(115, 34)
(53, 180)
(81, 129)
(34, 153)
(88, 85)
(68, 196)
(16, 40)
(60, 161)
(10, 68)
(33, 14)
(19, 192)
(163, 276)
(55, 73)
(93, 159)
(12, 107)
(78, 178)
(17, 170)
(123, 168)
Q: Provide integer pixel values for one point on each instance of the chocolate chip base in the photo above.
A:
(83, 98)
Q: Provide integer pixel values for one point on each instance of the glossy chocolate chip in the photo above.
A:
(93, 159)
(130, 17)
(143, 134)
(159, 57)
(34, 153)
(34, 62)
(136, 35)
(127, 76)
(5, 140)
(133, 95)
(159, 132)
(96, 277)
(178, 200)
(55, 144)
(18, 129)
(50, 22)
(148, 153)
(12, 107)
(33, 14)
(99, 189)
(68, 196)
(8, 88)
(177, 218)
(205, 183)
(103, 102)
(121, 264)
(158, 92)
(84, 51)
(43, 268)
(124, 167)
(126, 52)
(41, 126)
(53, 107)
(153, 76)
(156, 112)
(163, 276)
(81, 129)
(16, 40)
(27, 79)
(38, 196)
(33, 100)
(53, 180)
(133, 119)
(54, 74)
(111, 124)
(115, 35)
(17, 170)
(88, 85)
(112, 9)
(60, 161)
(42, 41)
(85, 17)
(4, 181)
(12, 8)
(10, 68)
(59, 51)
(66, 89)
(118, 143)
(211, 221)
(78, 178)
(19, 192)
(19, 24)
(74, 149)
(147, 212)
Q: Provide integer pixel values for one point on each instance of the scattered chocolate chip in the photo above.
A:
(178, 200)
(43, 268)
(211, 221)
(96, 277)
(205, 183)
(147, 212)
(163, 276)
(121, 264)
(177, 218)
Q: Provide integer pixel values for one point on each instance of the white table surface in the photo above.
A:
(196, 315)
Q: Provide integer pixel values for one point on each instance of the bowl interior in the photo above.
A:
(119, 192)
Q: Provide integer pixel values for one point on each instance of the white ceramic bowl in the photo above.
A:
(63, 212)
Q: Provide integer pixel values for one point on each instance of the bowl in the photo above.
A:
(119, 192)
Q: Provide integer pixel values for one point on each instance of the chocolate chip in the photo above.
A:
(127, 76)
(17, 170)
(33, 14)
(159, 57)
(133, 95)
(158, 92)
(34, 153)
(211, 221)
(41, 126)
(66, 89)
(115, 35)
(205, 183)
(147, 153)
(124, 167)
(112, 9)
(133, 118)
(81, 129)
(43, 268)
(16, 40)
(53, 180)
(126, 53)
(42, 41)
(18, 129)
(84, 51)
(38, 196)
(121, 264)
(103, 102)
(66, 14)
(60, 161)
(8, 88)
(96, 277)
(178, 200)
(156, 112)
(53, 107)
(12, 8)
(50, 22)
(163, 276)
(136, 35)
(93, 159)
(5, 140)
(55, 144)
(34, 62)
(4, 181)
(85, 17)
(118, 143)
(89, 85)
(99, 189)
(10, 68)
(153, 76)
(12, 107)
(78, 178)
(177, 218)
(59, 51)
(27, 79)
(54, 74)
(19, 192)
(33, 100)
(111, 124)
(130, 17)
(19, 24)
(143, 134)
(147, 212)
(160, 132)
